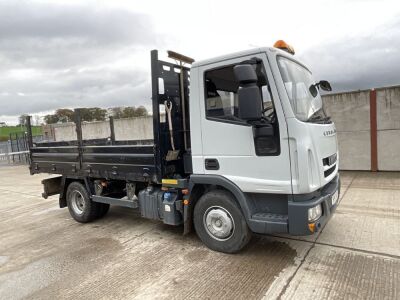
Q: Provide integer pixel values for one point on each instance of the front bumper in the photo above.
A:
(298, 210)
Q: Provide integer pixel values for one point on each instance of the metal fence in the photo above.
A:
(16, 150)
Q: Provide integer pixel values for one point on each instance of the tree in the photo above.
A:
(61, 115)
(88, 114)
(141, 111)
(50, 119)
(37, 120)
(22, 119)
(65, 115)
(93, 114)
(129, 112)
(117, 112)
(98, 114)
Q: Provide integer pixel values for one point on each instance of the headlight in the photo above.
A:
(314, 213)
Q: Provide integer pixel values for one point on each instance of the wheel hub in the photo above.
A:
(78, 202)
(219, 223)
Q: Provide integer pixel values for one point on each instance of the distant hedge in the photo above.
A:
(5, 131)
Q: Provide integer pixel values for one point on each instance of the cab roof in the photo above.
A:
(254, 51)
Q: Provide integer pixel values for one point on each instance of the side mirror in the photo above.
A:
(325, 85)
(249, 94)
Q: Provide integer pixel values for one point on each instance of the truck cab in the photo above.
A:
(281, 158)
(244, 146)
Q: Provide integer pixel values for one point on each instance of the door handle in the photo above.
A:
(211, 164)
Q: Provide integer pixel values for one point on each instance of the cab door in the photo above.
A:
(228, 145)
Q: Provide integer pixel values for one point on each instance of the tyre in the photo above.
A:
(81, 208)
(219, 222)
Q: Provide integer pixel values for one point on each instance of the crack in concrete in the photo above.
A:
(285, 287)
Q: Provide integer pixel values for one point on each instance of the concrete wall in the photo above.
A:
(64, 132)
(351, 113)
(125, 129)
(134, 129)
(388, 123)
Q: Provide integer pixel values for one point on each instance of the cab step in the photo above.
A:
(268, 223)
(270, 217)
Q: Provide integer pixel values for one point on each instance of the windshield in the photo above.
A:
(298, 80)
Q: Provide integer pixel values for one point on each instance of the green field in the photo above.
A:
(5, 131)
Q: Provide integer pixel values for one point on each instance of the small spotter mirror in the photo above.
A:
(325, 85)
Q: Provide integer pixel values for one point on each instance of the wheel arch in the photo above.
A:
(65, 182)
(200, 184)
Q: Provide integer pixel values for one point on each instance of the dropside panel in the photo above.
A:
(124, 161)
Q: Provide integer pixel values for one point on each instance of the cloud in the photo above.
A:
(51, 35)
(55, 55)
(22, 19)
(101, 87)
(367, 61)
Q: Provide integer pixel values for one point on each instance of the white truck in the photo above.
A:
(251, 149)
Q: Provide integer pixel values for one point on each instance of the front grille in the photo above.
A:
(330, 160)
(329, 171)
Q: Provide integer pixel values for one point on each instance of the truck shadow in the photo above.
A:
(156, 258)
(259, 245)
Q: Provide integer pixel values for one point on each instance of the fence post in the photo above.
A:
(12, 147)
(29, 131)
(28, 139)
(7, 154)
(18, 146)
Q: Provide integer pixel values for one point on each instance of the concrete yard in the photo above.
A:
(44, 253)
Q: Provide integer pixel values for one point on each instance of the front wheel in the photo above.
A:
(219, 222)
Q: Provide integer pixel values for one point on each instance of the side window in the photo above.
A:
(221, 99)
(221, 94)
(268, 104)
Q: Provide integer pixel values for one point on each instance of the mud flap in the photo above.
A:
(51, 186)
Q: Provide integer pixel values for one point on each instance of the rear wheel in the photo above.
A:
(219, 222)
(80, 206)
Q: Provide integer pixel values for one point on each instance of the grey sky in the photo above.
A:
(368, 61)
(69, 54)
